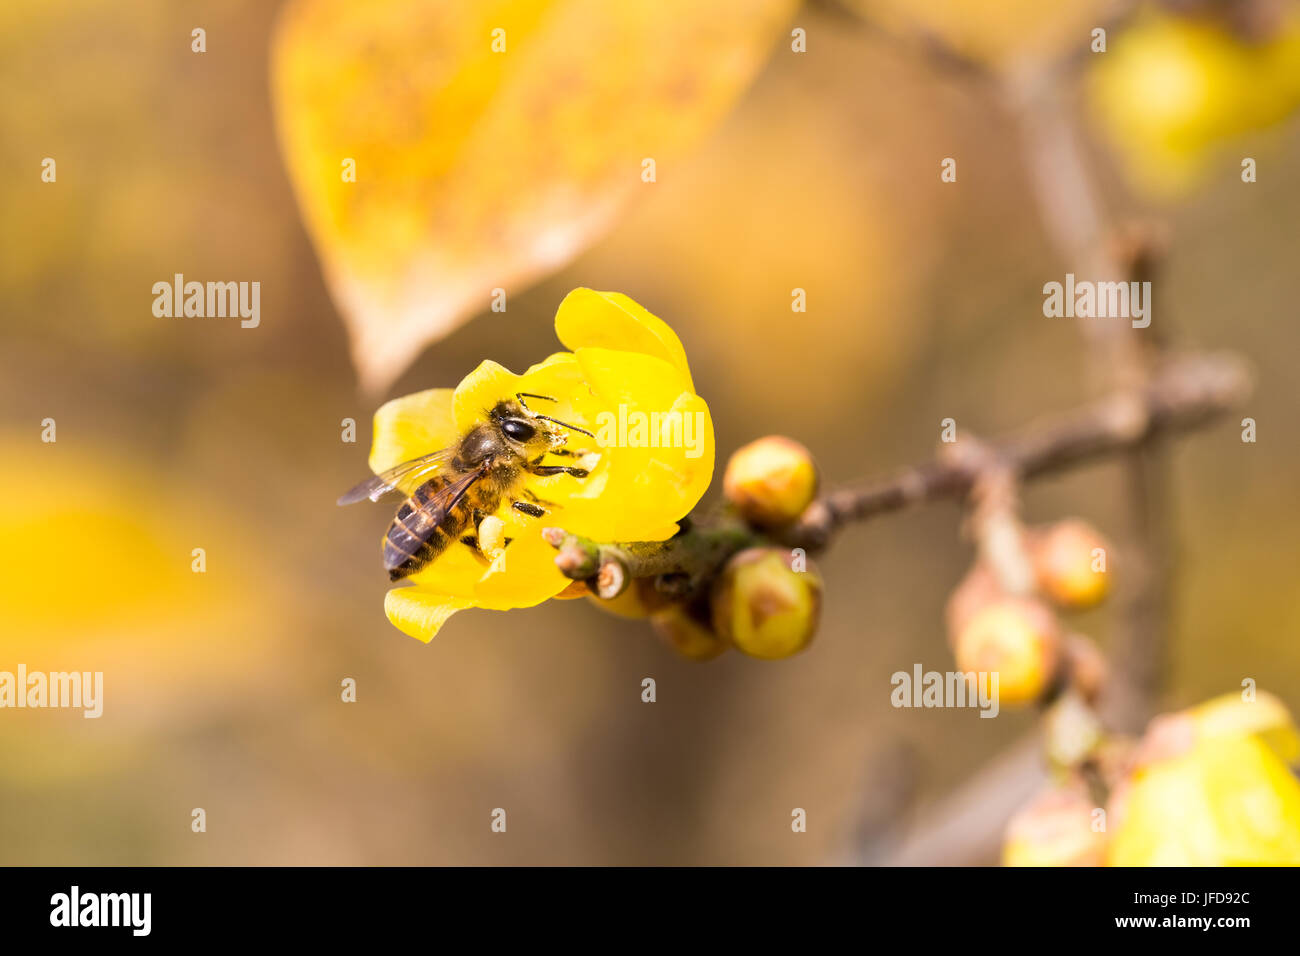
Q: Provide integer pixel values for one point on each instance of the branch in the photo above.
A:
(1069, 204)
(1185, 393)
(681, 563)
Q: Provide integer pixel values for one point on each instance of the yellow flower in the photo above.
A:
(625, 380)
(1173, 89)
(1212, 788)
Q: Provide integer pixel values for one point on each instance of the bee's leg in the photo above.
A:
(562, 452)
(479, 556)
(528, 508)
(471, 540)
(566, 453)
(545, 471)
(476, 518)
(535, 499)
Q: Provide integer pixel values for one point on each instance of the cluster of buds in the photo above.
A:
(766, 600)
(1018, 634)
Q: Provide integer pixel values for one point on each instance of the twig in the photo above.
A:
(1186, 393)
(968, 825)
(1121, 358)
(685, 561)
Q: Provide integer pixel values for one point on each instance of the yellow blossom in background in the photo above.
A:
(97, 575)
(624, 364)
(1172, 90)
(1212, 788)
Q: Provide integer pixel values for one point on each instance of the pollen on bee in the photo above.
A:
(492, 537)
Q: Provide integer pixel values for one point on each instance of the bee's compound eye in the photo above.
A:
(518, 430)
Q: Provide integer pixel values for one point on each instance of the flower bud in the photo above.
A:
(770, 481)
(763, 607)
(977, 590)
(639, 599)
(1070, 561)
(1060, 827)
(1016, 638)
(687, 632)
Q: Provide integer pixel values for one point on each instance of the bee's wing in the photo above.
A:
(440, 503)
(399, 562)
(405, 477)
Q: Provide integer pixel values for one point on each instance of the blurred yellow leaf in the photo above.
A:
(479, 168)
(105, 580)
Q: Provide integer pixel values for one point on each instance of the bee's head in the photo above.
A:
(523, 431)
(528, 432)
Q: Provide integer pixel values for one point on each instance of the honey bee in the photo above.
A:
(453, 489)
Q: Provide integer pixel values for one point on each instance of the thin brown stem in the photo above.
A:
(1185, 393)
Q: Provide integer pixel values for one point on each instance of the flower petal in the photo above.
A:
(524, 575)
(454, 573)
(421, 613)
(1265, 716)
(411, 426)
(1228, 802)
(590, 319)
(480, 390)
(648, 477)
(560, 377)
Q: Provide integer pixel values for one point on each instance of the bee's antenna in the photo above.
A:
(548, 418)
(522, 395)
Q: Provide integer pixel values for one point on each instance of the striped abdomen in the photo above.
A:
(432, 518)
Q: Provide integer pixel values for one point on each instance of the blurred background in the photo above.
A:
(924, 302)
